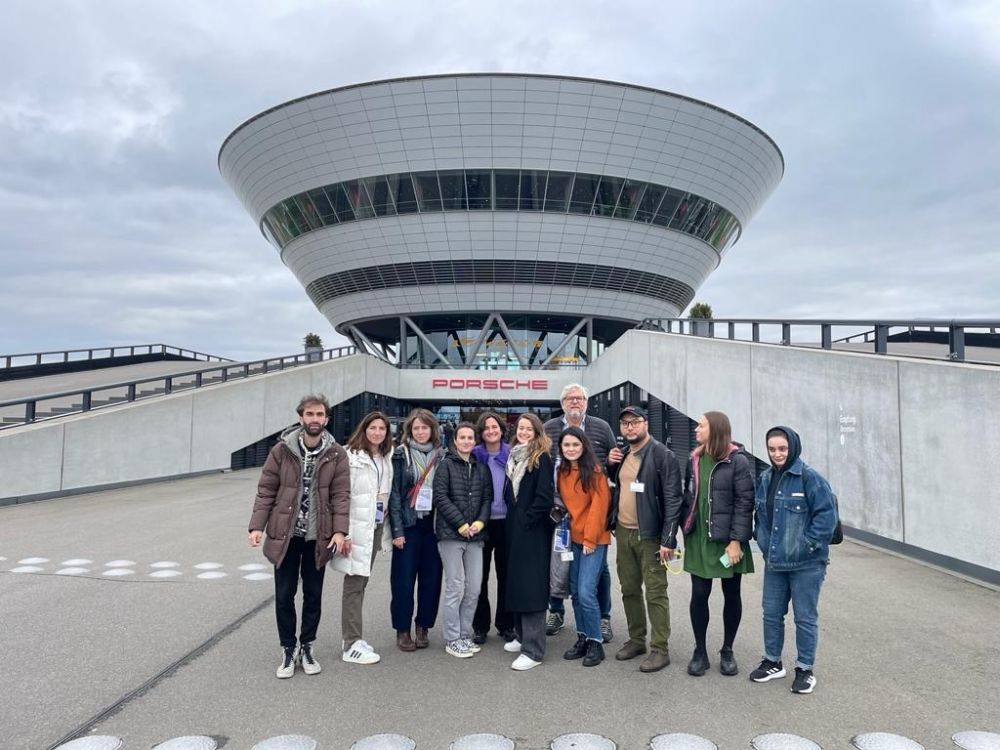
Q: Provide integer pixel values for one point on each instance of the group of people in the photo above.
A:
(552, 496)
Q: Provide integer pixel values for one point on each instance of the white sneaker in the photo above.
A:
(306, 659)
(524, 663)
(360, 653)
(472, 645)
(512, 647)
(458, 648)
(287, 667)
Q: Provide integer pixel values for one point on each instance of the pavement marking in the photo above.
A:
(120, 564)
(27, 569)
(165, 564)
(76, 562)
(210, 566)
(193, 742)
(782, 741)
(72, 571)
(482, 742)
(257, 576)
(681, 741)
(384, 742)
(254, 566)
(884, 741)
(582, 741)
(97, 742)
(33, 561)
(287, 742)
(211, 574)
(165, 573)
(973, 740)
(118, 572)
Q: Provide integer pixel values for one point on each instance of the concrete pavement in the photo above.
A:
(903, 648)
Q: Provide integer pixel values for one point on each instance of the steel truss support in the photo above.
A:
(427, 342)
(366, 343)
(572, 334)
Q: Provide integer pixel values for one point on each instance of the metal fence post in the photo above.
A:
(755, 332)
(956, 343)
(786, 334)
(881, 338)
(826, 336)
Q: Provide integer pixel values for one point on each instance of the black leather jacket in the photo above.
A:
(659, 506)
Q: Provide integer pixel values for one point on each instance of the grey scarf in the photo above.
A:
(517, 465)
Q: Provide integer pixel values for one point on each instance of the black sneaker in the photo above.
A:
(554, 623)
(607, 634)
(804, 681)
(479, 638)
(509, 635)
(578, 650)
(699, 663)
(595, 654)
(287, 667)
(767, 671)
(727, 662)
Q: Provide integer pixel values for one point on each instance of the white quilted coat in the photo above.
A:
(364, 495)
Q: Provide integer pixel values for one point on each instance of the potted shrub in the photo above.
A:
(700, 314)
(313, 346)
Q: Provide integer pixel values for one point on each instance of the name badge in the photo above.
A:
(379, 512)
(424, 498)
(566, 556)
(637, 486)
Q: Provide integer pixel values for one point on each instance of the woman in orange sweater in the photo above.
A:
(584, 490)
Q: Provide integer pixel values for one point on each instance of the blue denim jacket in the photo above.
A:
(804, 518)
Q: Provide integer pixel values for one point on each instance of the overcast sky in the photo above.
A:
(117, 227)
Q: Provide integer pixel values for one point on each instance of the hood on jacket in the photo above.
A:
(794, 446)
(481, 454)
(290, 437)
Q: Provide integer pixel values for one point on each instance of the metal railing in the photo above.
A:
(878, 333)
(84, 400)
(8, 361)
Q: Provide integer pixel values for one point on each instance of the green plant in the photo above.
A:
(312, 340)
(700, 310)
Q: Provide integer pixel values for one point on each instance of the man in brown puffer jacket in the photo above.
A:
(303, 505)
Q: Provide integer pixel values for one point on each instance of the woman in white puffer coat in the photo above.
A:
(369, 452)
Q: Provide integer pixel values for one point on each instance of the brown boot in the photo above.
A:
(421, 641)
(630, 650)
(404, 642)
(656, 661)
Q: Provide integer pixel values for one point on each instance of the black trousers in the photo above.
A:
(495, 548)
(732, 609)
(300, 561)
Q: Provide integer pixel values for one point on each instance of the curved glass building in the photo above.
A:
(498, 220)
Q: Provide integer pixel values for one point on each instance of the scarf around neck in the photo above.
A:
(517, 465)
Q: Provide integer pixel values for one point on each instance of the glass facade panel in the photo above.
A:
(506, 185)
(453, 191)
(378, 191)
(607, 196)
(558, 190)
(629, 199)
(479, 187)
(402, 192)
(341, 203)
(584, 190)
(532, 190)
(671, 200)
(501, 190)
(428, 192)
(323, 205)
(649, 203)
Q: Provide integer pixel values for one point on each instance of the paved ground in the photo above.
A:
(904, 648)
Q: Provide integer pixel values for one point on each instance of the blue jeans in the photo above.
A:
(801, 587)
(584, 576)
(603, 595)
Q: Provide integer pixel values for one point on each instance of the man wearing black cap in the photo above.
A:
(647, 497)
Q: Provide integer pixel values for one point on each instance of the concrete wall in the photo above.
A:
(907, 445)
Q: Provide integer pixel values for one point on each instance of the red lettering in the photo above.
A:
(539, 385)
(439, 383)
(459, 384)
(506, 385)
(522, 384)
(473, 384)
(489, 385)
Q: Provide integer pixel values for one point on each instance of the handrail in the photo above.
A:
(112, 351)
(877, 330)
(244, 370)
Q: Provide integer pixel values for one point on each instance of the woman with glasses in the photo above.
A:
(583, 488)
(528, 493)
(416, 563)
(717, 524)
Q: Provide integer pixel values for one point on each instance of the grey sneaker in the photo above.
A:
(606, 632)
(459, 648)
(554, 622)
(287, 667)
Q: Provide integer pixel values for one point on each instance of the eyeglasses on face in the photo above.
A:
(631, 422)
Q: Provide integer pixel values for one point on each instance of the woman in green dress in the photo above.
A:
(717, 523)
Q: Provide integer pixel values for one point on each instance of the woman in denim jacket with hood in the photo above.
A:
(795, 517)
